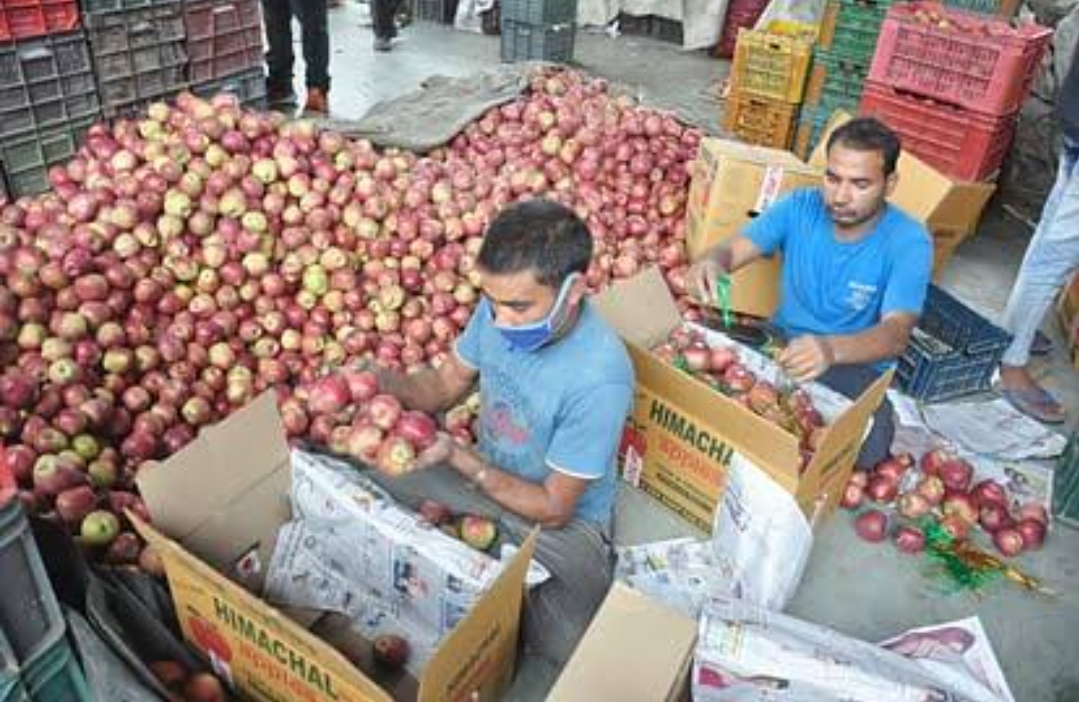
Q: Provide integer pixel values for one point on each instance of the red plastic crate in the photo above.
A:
(960, 143)
(974, 61)
(740, 13)
(223, 38)
(24, 19)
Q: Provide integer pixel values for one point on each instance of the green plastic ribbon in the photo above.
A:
(723, 298)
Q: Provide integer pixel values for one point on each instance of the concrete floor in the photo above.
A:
(860, 590)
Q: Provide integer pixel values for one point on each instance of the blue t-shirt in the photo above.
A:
(559, 408)
(837, 287)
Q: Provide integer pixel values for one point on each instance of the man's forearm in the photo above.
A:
(883, 342)
(734, 253)
(519, 496)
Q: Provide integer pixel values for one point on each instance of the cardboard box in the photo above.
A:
(949, 208)
(733, 183)
(687, 434)
(635, 650)
(217, 507)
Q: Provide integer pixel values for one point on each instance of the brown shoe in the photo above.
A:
(317, 102)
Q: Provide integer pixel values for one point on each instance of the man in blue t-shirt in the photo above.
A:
(556, 386)
(855, 271)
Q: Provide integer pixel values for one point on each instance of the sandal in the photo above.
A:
(1036, 403)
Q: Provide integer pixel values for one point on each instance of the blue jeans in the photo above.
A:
(315, 37)
(1052, 255)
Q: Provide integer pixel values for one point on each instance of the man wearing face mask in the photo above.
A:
(556, 385)
(855, 271)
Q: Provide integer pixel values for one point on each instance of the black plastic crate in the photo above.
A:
(26, 157)
(540, 42)
(223, 38)
(539, 11)
(249, 86)
(441, 11)
(94, 7)
(139, 56)
(1066, 485)
(953, 352)
(654, 26)
(46, 82)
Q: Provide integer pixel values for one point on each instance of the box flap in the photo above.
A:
(636, 650)
(641, 309)
(751, 153)
(485, 640)
(225, 492)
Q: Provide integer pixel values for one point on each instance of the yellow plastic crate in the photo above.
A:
(773, 63)
(761, 121)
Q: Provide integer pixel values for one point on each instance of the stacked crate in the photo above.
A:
(741, 14)
(951, 83)
(48, 98)
(224, 49)
(139, 52)
(768, 79)
(538, 30)
(845, 47)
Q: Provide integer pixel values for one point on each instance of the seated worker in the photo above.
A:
(855, 271)
(556, 385)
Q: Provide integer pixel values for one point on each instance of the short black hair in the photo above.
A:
(868, 134)
(539, 235)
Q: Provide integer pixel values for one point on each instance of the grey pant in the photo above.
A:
(578, 556)
(851, 381)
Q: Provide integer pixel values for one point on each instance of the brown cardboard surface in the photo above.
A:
(1068, 313)
(732, 182)
(269, 656)
(636, 650)
(688, 433)
(949, 208)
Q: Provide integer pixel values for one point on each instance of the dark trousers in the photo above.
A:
(382, 18)
(315, 37)
(852, 381)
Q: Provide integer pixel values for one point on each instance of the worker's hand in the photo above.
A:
(439, 453)
(702, 276)
(806, 358)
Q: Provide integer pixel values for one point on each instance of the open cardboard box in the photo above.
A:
(950, 209)
(635, 650)
(217, 507)
(733, 183)
(1068, 311)
(684, 435)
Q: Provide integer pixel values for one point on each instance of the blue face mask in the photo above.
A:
(531, 337)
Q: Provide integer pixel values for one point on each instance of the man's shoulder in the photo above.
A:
(906, 228)
(598, 354)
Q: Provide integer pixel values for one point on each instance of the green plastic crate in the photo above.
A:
(55, 676)
(248, 86)
(1005, 8)
(540, 11)
(850, 27)
(1066, 485)
(11, 689)
(26, 157)
(835, 81)
(542, 42)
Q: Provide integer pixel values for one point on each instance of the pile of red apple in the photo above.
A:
(897, 495)
(721, 368)
(190, 687)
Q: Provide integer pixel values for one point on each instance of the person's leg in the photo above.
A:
(1053, 253)
(314, 29)
(852, 381)
(277, 15)
(382, 23)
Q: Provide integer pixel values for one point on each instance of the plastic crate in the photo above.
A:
(223, 38)
(11, 689)
(139, 56)
(94, 7)
(25, 19)
(26, 157)
(835, 81)
(953, 352)
(963, 144)
(850, 27)
(442, 11)
(55, 676)
(544, 42)
(977, 62)
(811, 124)
(46, 82)
(30, 616)
(1066, 485)
(539, 11)
(771, 65)
(759, 121)
(249, 86)
(741, 14)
